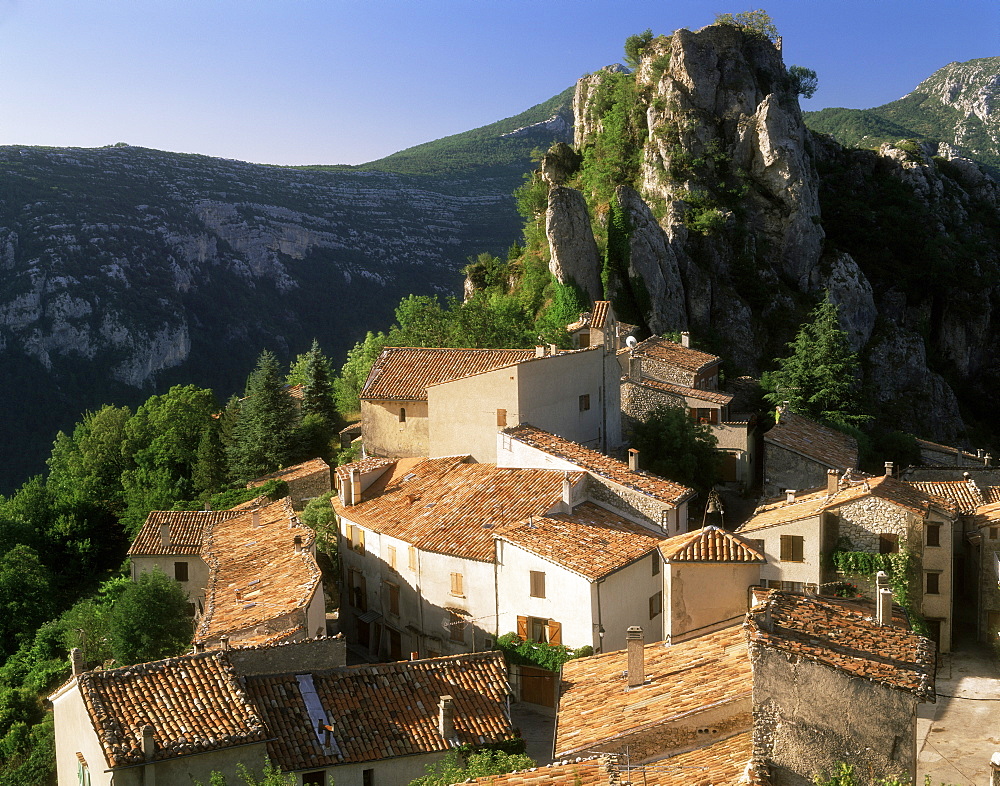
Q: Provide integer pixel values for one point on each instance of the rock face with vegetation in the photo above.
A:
(716, 210)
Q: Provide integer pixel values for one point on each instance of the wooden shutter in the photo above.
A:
(555, 632)
(412, 557)
(522, 628)
(391, 556)
(456, 584)
(537, 584)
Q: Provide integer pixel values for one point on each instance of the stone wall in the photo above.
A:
(635, 505)
(666, 372)
(807, 717)
(638, 401)
(785, 469)
(307, 487)
(302, 656)
(863, 520)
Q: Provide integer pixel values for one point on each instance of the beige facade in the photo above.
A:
(572, 394)
(190, 571)
(702, 597)
(395, 428)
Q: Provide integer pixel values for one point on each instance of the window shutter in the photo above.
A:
(361, 539)
(555, 632)
(537, 584)
(391, 556)
(522, 628)
(456, 584)
(412, 557)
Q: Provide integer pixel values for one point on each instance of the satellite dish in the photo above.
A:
(630, 342)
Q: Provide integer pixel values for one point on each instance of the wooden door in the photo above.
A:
(538, 686)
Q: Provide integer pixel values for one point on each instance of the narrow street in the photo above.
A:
(957, 736)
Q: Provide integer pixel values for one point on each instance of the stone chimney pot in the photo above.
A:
(832, 482)
(297, 540)
(789, 495)
(148, 742)
(633, 460)
(255, 517)
(883, 609)
(76, 659)
(634, 641)
(165, 535)
(446, 717)
(685, 339)
(888, 469)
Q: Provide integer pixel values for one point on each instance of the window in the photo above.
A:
(411, 558)
(390, 557)
(456, 627)
(933, 534)
(584, 402)
(358, 592)
(791, 548)
(181, 571)
(537, 584)
(888, 543)
(456, 585)
(583, 339)
(656, 563)
(392, 597)
(314, 778)
(191, 609)
(790, 586)
(933, 583)
(501, 418)
(994, 533)
(358, 539)
(655, 605)
(402, 415)
(368, 777)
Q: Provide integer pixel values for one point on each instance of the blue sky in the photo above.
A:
(332, 81)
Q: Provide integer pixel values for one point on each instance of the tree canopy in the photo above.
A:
(819, 378)
(150, 620)
(757, 22)
(804, 81)
(676, 446)
(634, 47)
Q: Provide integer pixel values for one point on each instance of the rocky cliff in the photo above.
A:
(724, 215)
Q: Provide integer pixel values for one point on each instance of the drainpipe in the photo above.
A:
(600, 624)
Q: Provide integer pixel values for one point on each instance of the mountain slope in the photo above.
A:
(958, 105)
(127, 269)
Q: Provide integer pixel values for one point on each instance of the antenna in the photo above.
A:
(630, 342)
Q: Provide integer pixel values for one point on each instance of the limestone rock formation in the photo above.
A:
(574, 256)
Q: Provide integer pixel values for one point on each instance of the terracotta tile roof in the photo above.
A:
(364, 465)
(591, 541)
(709, 544)
(404, 373)
(194, 703)
(845, 639)
(667, 351)
(964, 493)
(681, 679)
(808, 438)
(444, 505)
(255, 574)
(383, 710)
(815, 502)
(600, 313)
(992, 494)
(719, 764)
(710, 396)
(297, 392)
(598, 464)
(188, 530)
(987, 515)
(292, 473)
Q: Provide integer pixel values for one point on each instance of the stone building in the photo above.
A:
(831, 684)
(860, 513)
(250, 573)
(659, 372)
(600, 326)
(181, 719)
(798, 452)
(305, 481)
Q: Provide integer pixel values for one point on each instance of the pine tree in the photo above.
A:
(263, 435)
(819, 378)
(317, 389)
(209, 472)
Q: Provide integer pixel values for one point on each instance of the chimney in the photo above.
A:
(987, 458)
(414, 655)
(789, 495)
(355, 487)
(199, 647)
(832, 483)
(326, 733)
(553, 349)
(883, 607)
(888, 469)
(297, 540)
(148, 742)
(540, 351)
(634, 641)
(165, 535)
(446, 717)
(255, 517)
(685, 339)
(881, 580)
(76, 659)
(634, 368)
(224, 641)
(567, 494)
(633, 460)
(995, 770)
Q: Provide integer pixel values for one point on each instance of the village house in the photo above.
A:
(879, 515)
(834, 683)
(984, 570)
(440, 402)
(708, 575)
(751, 703)
(637, 495)
(798, 452)
(600, 326)
(659, 372)
(251, 572)
(181, 719)
(306, 481)
(443, 555)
